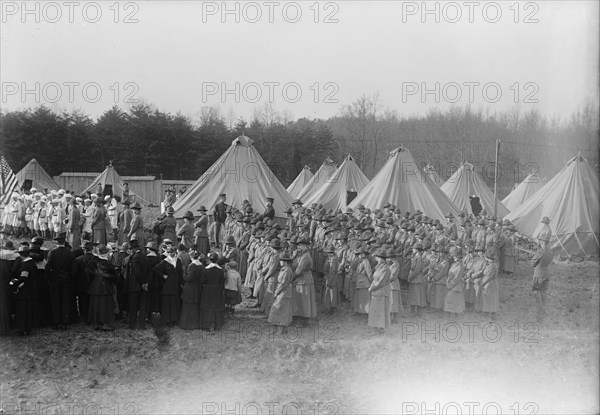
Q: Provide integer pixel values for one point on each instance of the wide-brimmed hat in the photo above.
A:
(230, 240)
(188, 215)
(152, 246)
(545, 219)
(285, 257)
(302, 241)
(202, 208)
(297, 202)
(275, 243)
(136, 206)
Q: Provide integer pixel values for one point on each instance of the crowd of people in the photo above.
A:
(192, 273)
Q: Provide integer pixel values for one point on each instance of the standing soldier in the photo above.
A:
(269, 210)
(124, 222)
(73, 226)
(220, 215)
(541, 276)
(136, 230)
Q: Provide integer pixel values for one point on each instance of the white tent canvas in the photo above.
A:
(326, 170)
(402, 182)
(240, 173)
(40, 179)
(523, 191)
(301, 180)
(465, 183)
(570, 200)
(334, 193)
(433, 175)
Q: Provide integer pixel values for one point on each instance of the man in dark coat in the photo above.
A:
(58, 270)
(269, 209)
(80, 282)
(136, 285)
(220, 215)
(26, 292)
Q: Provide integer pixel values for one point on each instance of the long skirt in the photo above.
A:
(490, 302)
(346, 286)
(455, 302)
(75, 239)
(329, 298)
(202, 244)
(417, 294)
(437, 296)
(243, 263)
(24, 314)
(395, 302)
(304, 300)
(469, 292)
(212, 319)
(99, 236)
(478, 300)
(508, 263)
(379, 312)
(258, 287)
(170, 309)
(190, 316)
(102, 309)
(250, 276)
(362, 298)
(269, 297)
(352, 293)
(281, 311)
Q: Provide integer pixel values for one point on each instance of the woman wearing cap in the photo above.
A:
(469, 261)
(124, 222)
(191, 294)
(136, 230)
(379, 304)
(99, 223)
(153, 258)
(168, 225)
(395, 296)
(455, 300)
(201, 232)
(490, 301)
(280, 313)
(417, 293)
(212, 304)
(101, 272)
(269, 273)
(438, 272)
(364, 277)
(304, 303)
(329, 301)
(171, 271)
(251, 271)
(509, 263)
(186, 230)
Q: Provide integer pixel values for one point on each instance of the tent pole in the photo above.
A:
(496, 178)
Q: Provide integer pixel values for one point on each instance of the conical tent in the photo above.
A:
(304, 177)
(401, 182)
(523, 191)
(241, 174)
(570, 200)
(466, 182)
(333, 194)
(432, 174)
(40, 179)
(108, 177)
(326, 170)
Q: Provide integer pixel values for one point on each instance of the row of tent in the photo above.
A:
(570, 199)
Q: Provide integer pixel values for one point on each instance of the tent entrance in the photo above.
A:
(27, 185)
(108, 190)
(475, 205)
(350, 197)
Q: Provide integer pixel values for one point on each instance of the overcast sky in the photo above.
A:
(312, 58)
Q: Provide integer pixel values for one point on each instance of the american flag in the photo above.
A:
(8, 180)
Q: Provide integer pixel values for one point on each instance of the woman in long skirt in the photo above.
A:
(281, 311)
(455, 299)
(490, 302)
(212, 302)
(101, 272)
(364, 276)
(190, 296)
(329, 301)
(395, 297)
(417, 294)
(201, 232)
(379, 306)
(304, 296)
(171, 271)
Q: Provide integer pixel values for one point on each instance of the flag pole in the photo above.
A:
(496, 178)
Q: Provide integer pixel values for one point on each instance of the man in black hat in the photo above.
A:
(220, 215)
(26, 292)
(58, 270)
(269, 209)
(80, 283)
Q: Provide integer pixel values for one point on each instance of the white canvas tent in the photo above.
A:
(401, 182)
(240, 173)
(466, 183)
(39, 178)
(523, 191)
(326, 170)
(108, 177)
(433, 175)
(347, 180)
(570, 200)
(301, 180)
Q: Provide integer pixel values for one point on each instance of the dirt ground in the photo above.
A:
(422, 365)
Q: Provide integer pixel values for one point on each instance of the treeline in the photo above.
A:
(146, 141)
